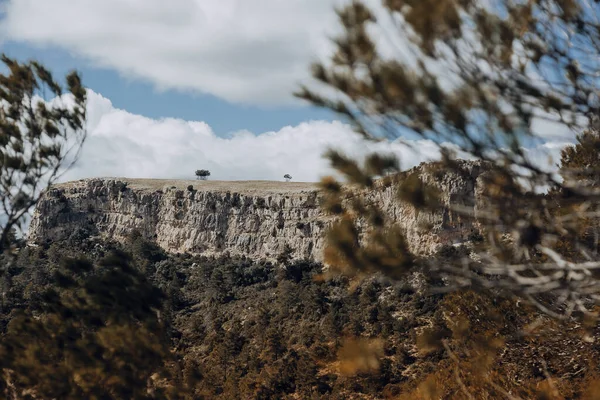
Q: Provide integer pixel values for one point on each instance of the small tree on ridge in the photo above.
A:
(202, 174)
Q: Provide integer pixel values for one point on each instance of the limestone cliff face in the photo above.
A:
(252, 218)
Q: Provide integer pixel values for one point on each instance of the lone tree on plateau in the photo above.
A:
(287, 177)
(202, 174)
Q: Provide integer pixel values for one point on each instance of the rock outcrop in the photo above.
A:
(253, 218)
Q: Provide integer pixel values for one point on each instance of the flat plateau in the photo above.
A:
(243, 187)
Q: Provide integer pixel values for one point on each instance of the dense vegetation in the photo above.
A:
(242, 329)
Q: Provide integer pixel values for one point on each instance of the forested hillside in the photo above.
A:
(244, 329)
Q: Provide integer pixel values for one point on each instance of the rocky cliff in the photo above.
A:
(253, 218)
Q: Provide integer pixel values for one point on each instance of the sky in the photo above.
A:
(180, 85)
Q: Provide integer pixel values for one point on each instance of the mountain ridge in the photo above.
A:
(258, 219)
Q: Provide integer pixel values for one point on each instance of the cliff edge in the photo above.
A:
(252, 218)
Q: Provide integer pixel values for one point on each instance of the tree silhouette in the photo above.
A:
(483, 79)
(478, 81)
(39, 139)
(202, 174)
(93, 331)
(287, 177)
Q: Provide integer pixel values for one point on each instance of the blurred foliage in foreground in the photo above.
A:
(40, 138)
(92, 332)
(487, 80)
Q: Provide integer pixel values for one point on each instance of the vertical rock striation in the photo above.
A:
(252, 218)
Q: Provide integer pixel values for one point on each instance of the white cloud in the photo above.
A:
(121, 144)
(239, 50)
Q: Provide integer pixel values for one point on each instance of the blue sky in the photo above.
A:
(177, 86)
(140, 96)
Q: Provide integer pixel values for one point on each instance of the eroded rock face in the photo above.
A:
(255, 219)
